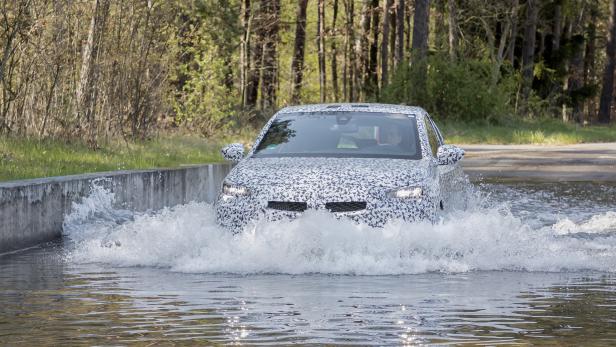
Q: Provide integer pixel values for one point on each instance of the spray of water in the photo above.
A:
(485, 236)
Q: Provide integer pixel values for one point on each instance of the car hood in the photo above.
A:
(327, 172)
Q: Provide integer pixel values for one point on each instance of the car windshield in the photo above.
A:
(341, 134)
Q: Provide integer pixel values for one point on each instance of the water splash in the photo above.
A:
(487, 236)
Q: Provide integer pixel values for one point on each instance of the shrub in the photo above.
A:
(205, 101)
(463, 90)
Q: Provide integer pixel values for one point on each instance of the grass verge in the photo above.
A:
(31, 158)
(538, 132)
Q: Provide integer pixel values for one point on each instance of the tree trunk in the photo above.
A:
(86, 90)
(576, 71)
(440, 30)
(244, 51)
(589, 60)
(558, 27)
(351, 65)
(576, 66)
(528, 51)
(393, 26)
(297, 65)
(453, 29)
(607, 92)
(385, 44)
(514, 31)
(270, 58)
(419, 51)
(373, 76)
(407, 19)
(399, 57)
(541, 45)
(362, 46)
(421, 20)
(335, 53)
(256, 56)
(321, 48)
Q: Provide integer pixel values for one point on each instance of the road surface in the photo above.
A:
(581, 162)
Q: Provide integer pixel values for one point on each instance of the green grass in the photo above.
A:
(31, 158)
(538, 132)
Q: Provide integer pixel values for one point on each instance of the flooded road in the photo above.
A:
(526, 263)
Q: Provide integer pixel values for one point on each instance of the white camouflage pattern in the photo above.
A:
(317, 181)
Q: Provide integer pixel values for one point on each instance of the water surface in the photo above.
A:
(526, 263)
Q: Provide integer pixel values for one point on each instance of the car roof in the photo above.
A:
(354, 107)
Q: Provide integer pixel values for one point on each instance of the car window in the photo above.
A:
(341, 134)
(432, 136)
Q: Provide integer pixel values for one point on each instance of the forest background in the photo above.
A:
(90, 85)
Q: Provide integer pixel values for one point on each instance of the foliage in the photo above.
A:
(461, 90)
(205, 97)
(76, 66)
(204, 101)
(106, 69)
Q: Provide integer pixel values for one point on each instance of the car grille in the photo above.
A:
(287, 206)
(347, 206)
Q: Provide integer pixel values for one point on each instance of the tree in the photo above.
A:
(256, 56)
(590, 58)
(558, 26)
(335, 52)
(514, 31)
(399, 56)
(419, 50)
(421, 20)
(576, 68)
(607, 92)
(528, 50)
(297, 65)
(372, 84)
(86, 94)
(362, 45)
(350, 63)
(440, 29)
(244, 49)
(14, 23)
(453, 29)
(385, 43)
(270, 58)
(321, 49)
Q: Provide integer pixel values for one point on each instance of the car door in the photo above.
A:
(451, 177)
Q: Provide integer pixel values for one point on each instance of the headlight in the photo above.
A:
(407, 193)
(234, 190)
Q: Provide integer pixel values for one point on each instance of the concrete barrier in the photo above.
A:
(32, 211)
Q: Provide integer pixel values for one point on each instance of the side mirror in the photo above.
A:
(449, 154)
(233, 152)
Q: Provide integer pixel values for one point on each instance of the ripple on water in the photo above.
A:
(121, 278)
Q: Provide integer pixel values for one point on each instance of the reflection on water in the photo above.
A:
(47, 297)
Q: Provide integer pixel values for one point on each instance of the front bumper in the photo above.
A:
(235, 213)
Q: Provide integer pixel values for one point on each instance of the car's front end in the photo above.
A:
(368, 191)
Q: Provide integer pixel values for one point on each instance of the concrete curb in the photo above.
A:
(32, 211)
